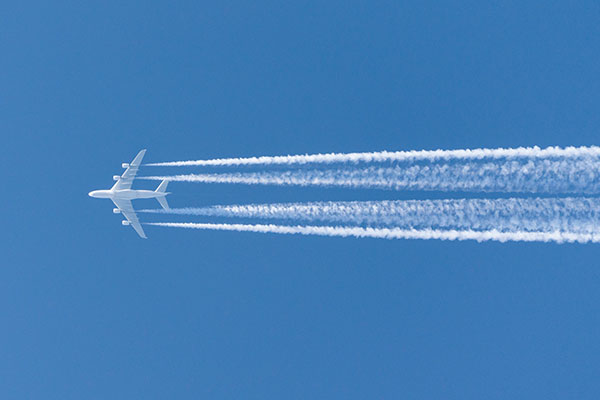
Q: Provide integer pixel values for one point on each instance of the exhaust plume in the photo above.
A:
(394, 156)
(393, 233)
(573, 175)
(575, 214)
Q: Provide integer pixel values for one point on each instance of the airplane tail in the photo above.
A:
(161, 189)
(163, 202)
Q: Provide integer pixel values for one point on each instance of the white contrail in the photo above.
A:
(573, 214)
(516, 175)
(393, 156)
(393, 233)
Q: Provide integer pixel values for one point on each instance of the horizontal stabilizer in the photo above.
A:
(162, 187)
(163, 202)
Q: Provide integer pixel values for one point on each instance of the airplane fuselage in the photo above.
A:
(126, 194)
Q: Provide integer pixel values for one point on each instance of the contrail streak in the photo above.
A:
(393, 233)
(577, 215)
(393, 156)
(578, 175)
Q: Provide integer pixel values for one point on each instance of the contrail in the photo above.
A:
(394, 233)
(393, 156)
(573, 175)
(573, 214)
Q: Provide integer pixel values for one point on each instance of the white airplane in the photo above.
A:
(121, 194)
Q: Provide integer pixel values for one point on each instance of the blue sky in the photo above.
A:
(91, 311)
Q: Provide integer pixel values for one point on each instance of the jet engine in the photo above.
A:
(125, 223)
(116, 177)
(116, 211)
(125, 165)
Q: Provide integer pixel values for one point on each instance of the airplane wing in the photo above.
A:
(129, 213)
(129, 174)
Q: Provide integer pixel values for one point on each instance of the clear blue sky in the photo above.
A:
(90, 311)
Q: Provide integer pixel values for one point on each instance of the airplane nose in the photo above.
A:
(91, 194)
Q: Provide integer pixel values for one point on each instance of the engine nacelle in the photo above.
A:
(116, 211)
(125, 165)
(125, 223)
(116, 177)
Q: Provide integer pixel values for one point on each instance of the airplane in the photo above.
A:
(121, 194)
